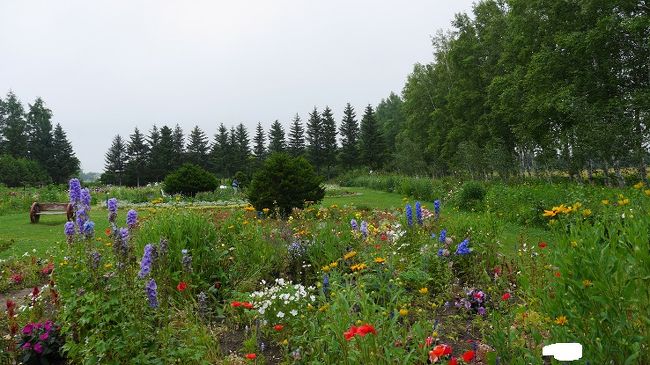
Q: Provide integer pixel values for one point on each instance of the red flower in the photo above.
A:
(181, 286)
(557, 274)
(107, 231)
(278, 327)
(505, 296)
(384, 237)
(235, 304)
(16, 278)
(439, 351)
(365, 329)
(247, 305)
(35, 292)
(497, 270)
(429, 341)
(468, 356)
(47, 270)
(453, 361)
(542, 244)
(251, 356)
(350, 333)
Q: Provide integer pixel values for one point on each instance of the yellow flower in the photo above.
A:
(249, 208)
(325, 268)
(309, 306)
(245, 222)
(625, 201)
(285, 342)
(324, 308)
(358, 267)
(605, 201)
(561, 320)
(587, 283)
(380, 260)
(577, 205)
(549, 213)
(424, 290)
(586, 212)
(646, 192)
(403, 312)
(334, 264)
(639, 185)
(434, 334)
(574, 244)
(265, 210)
(349, 255)
(108, 266)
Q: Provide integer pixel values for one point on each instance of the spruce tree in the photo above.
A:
(314, 138)
(276, 138)
(115, 161)
(64, 162)
(259, 150)
(178, 154)
(14, 130)
(39, 131)
(219, 152)
(328, 140)
(136, 156)
(153, 140)
(2, 126)
(296, 145)
(161, 155)
(349, 131)
(371, 146)
(232, 154)
(242, 148)
(197, 148)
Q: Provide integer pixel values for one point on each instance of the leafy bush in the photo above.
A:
(190, 179)
(471, 195)
(285, 182)
(21, 172)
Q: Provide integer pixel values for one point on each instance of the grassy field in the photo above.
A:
(42, 237)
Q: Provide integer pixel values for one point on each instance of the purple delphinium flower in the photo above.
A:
(89, 229)
(436, 208)
(354, 225)
(296, 250)
(152, 293)
(418, 212)
(147, 260)
(86, 198)
(81, 218)
(364, 229)
(75, 190)
(440, 251)
(443, 236)
(95, 258)
(112, 210)
(481, 311)
(186, 261)
(409, 214)
(326, 285)
(69, 229)
(131, 218)
(463, 248)
(121, 244)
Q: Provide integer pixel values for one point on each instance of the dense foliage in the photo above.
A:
(284, 183)
(21, 172)
(189, 180)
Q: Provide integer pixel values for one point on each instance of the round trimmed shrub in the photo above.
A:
(190, 179)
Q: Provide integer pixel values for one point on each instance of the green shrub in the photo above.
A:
(21, 172)
(472, 195)
(285, 182)
(190, 179)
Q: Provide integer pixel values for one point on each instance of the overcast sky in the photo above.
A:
(104, 67)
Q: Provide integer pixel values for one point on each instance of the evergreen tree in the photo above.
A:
(136, 156)
(296, 137)
(328, 140)
(242, 148)
(153, 140)
(259, 140)
(2, 126)
(391, 119)
(178, 154)
(39, 130)
(276, 138)
(233, 163)
(14, 130)
(161, 155)
(64, 162)
(219, 152)
(197, 148)
(115, 161)
(314, 138)
(349, 131)
(371, 146)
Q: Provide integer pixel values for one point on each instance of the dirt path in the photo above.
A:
(18, 296)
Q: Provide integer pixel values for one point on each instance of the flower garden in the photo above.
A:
(420, 283)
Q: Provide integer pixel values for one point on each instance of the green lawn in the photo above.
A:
(43, 237)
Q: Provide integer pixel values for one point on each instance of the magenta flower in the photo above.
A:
(28, 328)
(44, 336)
(27, 346)
(38, 348)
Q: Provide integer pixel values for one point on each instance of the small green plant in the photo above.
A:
(285, 182)
(190, 179)
(471, 196)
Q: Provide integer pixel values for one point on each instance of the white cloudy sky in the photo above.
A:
(104, 67)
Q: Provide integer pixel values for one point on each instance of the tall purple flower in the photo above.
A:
(147, 260)
(75, 190)
(112, 210)
(463, 248)
(354, 225)
(88, 229)
(364, 229)
(86, 198)
(418, 212)
(163, 247)
(443, 236)
(131, 218)
(152, 293)
(202, 301)
(95, 258)
(68, 229)
(409, 214)
(186, 261)
(121, 243)
(436, 209)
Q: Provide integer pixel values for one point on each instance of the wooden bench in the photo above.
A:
(39, 209)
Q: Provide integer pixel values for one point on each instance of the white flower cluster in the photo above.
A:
(282, 298)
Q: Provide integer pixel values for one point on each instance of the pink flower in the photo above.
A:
(44, 336)
(27, 346)
(38, 348)
(28, 328)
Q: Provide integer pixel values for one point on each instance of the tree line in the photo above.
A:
(32, 151)
(329, 147)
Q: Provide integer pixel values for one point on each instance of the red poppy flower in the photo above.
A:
(107, 231)
(350, 333)
(251, 356)
(468, 356)
(542, 244)
(453, 361)
(557, 274)
(278, 327)
(441, 350)
(365, 329)
(181, 286)
(247, 305)
(505, 296)
(235, 304)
